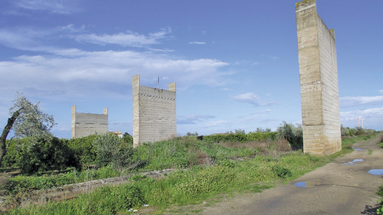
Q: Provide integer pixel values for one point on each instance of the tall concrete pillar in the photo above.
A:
(154, 113)
(136, 110)
(73, 121)
(319, 82)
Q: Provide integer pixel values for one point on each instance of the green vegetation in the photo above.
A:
(185, 187)
(379, 210)
(27, 120)
(23, 183)
(219, 163)
(213, 168)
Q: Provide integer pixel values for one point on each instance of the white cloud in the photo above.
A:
(72, 29)
(23, 39)
(360, 100)
(215, 124)
(253, 99)
(246, 62)
(53, 6)
(197, 43)
(192, 119)
(380, 91)
(124, 39)
(250, 98)
(372, 117)
(32, 39)
(366, 113)
(76, 73)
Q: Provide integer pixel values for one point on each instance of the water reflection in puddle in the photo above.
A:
(376, 172)
(359, 149)
(309, 183)
(300, 184)
(353, 162)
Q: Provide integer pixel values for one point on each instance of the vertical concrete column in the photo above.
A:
(105, 112)
(154, 113)
(319, 82)
(136, 110)
(73, 121)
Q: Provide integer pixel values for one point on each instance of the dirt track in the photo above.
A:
(336, 188)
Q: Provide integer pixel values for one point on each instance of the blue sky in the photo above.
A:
(235, 63)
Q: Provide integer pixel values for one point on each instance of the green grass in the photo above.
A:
(185, 187)
(21, 182)
(380, 191)
(260, 169)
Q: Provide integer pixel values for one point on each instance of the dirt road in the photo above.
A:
(340, 187)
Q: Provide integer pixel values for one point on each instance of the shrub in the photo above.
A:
(39, 155)
(83, 149)
(127, 138)
(12, 157)
(111, 150)
(293, 134)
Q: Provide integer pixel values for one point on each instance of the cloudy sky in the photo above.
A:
(235, 62)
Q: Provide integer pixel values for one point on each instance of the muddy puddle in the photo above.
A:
(308, 183)
(354, 162)
(376, 171)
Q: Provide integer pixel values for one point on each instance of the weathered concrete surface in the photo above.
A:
(319, 82)
(332, 189)
(84, 124)
(154, 113)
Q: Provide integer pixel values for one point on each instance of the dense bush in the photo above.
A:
(348, 132)
(83, 149)
(111, 150)
(293, 134)
(242, 137)
(12, 157)
(127, 138)
(43, 154)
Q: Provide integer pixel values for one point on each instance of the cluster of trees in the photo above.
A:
(33, 155)
(347, 131)
(35, 149)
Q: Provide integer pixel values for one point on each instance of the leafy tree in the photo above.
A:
(292, 134)
(27, 120)
(192, 134)
(127, 138)
(239, 131)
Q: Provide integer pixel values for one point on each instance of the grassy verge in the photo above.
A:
(20, 182)
(178, 153)
(197, 183)
(380, 192)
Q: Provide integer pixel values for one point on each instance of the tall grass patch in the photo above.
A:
(185, 187)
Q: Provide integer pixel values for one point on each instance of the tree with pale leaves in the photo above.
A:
(27, 120)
